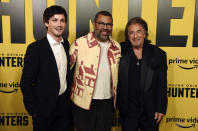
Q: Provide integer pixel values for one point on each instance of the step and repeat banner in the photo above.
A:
(173, 26)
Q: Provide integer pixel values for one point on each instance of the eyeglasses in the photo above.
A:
(102, 24)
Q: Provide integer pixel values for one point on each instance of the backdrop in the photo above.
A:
(173, 26)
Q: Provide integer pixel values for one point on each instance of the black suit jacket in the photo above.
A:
(40, 82)
(153, 80)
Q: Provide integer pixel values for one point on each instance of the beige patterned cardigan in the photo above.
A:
(85, 55)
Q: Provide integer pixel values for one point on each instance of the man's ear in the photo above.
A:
(46, 24)
(94, 24)
(144, 34)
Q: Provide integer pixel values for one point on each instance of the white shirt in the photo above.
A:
(103, 83)
(61, 62)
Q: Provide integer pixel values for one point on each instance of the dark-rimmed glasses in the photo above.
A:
(102, 24)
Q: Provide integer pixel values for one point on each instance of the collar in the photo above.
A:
(93, 42)
(52, 41)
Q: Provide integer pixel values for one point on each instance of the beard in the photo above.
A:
(101, 36)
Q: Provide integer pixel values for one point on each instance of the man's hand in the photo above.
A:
(158, 117)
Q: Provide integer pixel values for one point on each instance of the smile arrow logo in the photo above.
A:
(188, 68)
(15, 90)
(193, 125)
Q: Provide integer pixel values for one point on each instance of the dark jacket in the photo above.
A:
(153, 80)
(40, 82)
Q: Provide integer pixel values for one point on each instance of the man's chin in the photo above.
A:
(59, 35)
(137, 46)
(104, 39)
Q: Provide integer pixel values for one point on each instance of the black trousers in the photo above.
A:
(135, 121)
(98, 118)
(59, 120)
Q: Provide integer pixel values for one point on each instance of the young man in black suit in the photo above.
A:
(46, 76)
(142, 82)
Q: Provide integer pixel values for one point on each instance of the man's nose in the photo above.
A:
(105, 26)
(135, 34)
(59, 23)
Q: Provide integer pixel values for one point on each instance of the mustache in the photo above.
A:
(104, 30)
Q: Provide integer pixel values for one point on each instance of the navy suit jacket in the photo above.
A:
(40, 82)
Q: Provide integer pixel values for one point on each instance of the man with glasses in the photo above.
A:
(95, 57)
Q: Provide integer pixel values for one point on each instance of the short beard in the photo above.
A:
(103, 39)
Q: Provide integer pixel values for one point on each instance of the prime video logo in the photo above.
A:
(183, 122)
(186, 64)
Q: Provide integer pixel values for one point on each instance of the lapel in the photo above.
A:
(146, 69)
(49, 58)
(124, 65)
(66, 48)
(48, 53)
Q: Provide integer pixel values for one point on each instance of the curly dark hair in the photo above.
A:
(52, 10)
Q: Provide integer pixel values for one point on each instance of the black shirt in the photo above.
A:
(134, 91)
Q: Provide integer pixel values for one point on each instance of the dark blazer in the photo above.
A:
(153, 80)
(40, 82)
